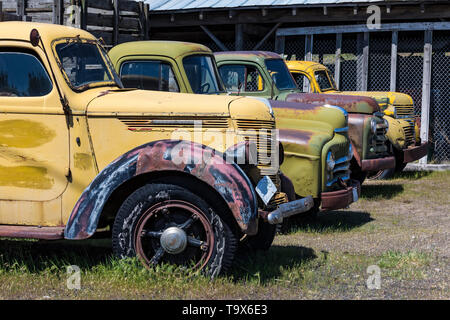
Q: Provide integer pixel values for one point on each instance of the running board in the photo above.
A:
(46, 233)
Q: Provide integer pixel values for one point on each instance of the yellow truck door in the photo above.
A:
(34, 141)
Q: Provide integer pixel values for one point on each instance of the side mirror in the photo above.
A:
(34, 37)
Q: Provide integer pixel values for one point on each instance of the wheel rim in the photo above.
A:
(176, 232)
(375, 175)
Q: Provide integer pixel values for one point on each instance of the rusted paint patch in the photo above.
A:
(294, 105)
(300, 137)
(82, 161)
(24, 134)
(352, 104)
(356, 131)
(25, 177)
(227, 178)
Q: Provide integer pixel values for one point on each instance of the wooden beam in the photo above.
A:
(337, 61)
(413, 26)
(426, 89)
(259, 44)
(84, 14)
(362, 61)
(213, 38)
(394, 45)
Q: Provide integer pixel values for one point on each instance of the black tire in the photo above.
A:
(152, 209)
(356, 172)
(262, 240)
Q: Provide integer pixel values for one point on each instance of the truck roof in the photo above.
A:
(256, 56)
(173, 49)
(303, 65)
(20, 30)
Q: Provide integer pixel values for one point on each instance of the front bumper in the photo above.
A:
(288, 209)
(378, 164)
(343, 198)
(414, 153)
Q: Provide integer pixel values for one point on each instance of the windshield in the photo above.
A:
(85, 64)
(324, 80)
(280, 74)
(202, 74)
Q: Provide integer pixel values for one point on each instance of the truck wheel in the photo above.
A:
(382, 174)
(262, 240)
(167, 223)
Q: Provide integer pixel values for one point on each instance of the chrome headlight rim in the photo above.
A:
(373, 126)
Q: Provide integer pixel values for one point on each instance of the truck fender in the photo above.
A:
(226, 177)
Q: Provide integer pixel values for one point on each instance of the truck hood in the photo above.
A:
(333, 118)
(351, 104)
(394, 98)
(157, 103)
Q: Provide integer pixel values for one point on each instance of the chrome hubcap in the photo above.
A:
(174, 240)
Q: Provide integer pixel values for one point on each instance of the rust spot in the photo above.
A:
(294, 105)
(82, 161)
(352, 104)
(295, 136)
(24, 134)
(25, 177)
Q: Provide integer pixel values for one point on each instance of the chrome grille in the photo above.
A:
(342, 154)
(261, 133)
(407, 113)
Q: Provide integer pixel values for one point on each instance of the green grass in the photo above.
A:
(310, 262)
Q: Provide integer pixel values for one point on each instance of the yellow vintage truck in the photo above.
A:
(317, 151)
(398, 108)
(171, 176)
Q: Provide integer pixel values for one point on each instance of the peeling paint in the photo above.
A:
(24, 134)
(82, 161)
(25, 177)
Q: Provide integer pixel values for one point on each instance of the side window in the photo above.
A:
(302, 81)
(23, 75)
(247, 76)
(149, 75)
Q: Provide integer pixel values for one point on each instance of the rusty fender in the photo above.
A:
(356, 126)
(351, 104)
(226, 178)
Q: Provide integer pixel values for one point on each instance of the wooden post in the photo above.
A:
(426, 90)
(58, 12)
(147, 21)
(239, 37)
(21, 8)
(84, 14)
(309, 46)
(362, 61)
(279, 44)
(116, 22)
(394, 46)
(1, 11)
(337, 61)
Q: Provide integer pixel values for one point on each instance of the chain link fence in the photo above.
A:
(409, 72)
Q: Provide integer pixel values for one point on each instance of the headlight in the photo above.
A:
(373, 125)
(330, 162)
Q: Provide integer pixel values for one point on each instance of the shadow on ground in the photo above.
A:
(412, 175)
(265, 266)
(36, 255)
(380, 191)
(331, 221)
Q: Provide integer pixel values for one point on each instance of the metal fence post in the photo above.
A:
(279, 44)
(394, 45)
(426, 90)
(337, 61)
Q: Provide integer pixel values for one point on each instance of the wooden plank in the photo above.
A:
(58, 12)
(102, 4)
(213, 38)
(365, 74)
(426, 89)
(337, 61)
(147, 21)
(309, 43)
(394, 46)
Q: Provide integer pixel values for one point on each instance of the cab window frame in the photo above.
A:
(246, 66)
(32, 53)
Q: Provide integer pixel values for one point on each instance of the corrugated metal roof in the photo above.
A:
(169, 5)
